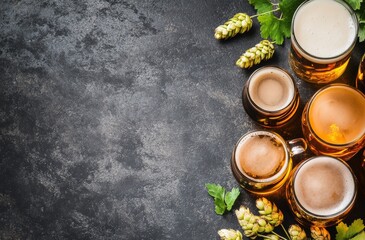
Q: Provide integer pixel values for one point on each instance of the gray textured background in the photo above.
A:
(114, 114)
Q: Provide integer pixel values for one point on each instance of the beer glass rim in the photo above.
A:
(276, 175)
(321, 216)
(308, 118)
(277, 111)
(326, 60)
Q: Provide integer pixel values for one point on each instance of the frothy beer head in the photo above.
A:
(324, 186)
(324, 30)
(261, 155)
(271, 89)
(337, 115)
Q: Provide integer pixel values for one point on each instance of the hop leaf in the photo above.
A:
(269, 211)
(222, 200)
(319, 233)
(355, 229)
(230, 234)
(275, 19)
(239, 23)
(231, 197)
(355, 4)
(261, 51)
(296, 232)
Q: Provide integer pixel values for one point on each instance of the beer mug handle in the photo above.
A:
(297, 146)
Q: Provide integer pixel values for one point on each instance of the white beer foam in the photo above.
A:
(324, 186)
(261, 156)
(271, 89)
(324, 29)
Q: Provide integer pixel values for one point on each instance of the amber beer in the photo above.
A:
(321, 190)
(323, 35)
(261, 160)
(270, 96)
(333, 121)
(360, 79)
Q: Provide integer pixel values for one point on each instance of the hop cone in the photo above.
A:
(251, 224)
(269, 211)
(272, 237)
(261, 51)
(320, 233)
(229, 234)
(296, 232)
(240, 23)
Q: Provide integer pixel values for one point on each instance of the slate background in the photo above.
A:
(115, 113)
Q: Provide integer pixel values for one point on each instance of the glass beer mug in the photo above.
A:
(321, 190)
(323, 35)
(261, 160)
(270, 96)
(333, 121)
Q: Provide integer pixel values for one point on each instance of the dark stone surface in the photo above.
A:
(114, 115)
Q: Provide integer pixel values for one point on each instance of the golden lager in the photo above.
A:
(333, 121)
(270, 96)
(323, 35)
(360, 79)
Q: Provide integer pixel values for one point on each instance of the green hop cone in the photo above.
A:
(240, 23)
(251, 224)
(264, 226)
(261, 51)
(269, 211)
(272, 237)
(230, 234)
(247, 220)
(296, 232)
(319, 233)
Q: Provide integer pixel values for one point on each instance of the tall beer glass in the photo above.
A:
(323, 35)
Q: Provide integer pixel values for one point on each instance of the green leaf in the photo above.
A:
(231, 197)
(361, 32)
(272, 27)
(356, 227)
(351, 232)
(288, 7)
(361, 16)
(275, 25)
(215, 190)
(262, 6)
(360, 236)
(355, 4)
(341, 231)
(220, 206)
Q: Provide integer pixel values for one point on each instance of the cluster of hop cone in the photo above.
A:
(264, 224)
(239, 24)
